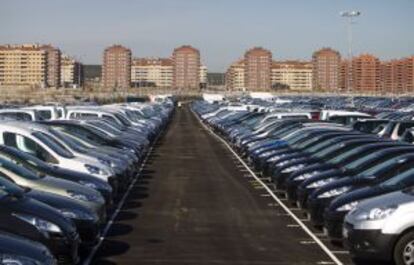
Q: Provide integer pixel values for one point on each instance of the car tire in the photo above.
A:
(404, 249)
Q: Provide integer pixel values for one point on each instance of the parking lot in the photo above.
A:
(196, 203)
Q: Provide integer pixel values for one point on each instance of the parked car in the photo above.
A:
(15, 250)
(39, 222)
(381, 228)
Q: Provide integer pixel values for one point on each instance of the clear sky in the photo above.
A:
(221, 29)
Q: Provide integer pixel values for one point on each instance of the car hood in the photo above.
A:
(26, 205)
(16, 245)
(60, 186)
(393, 198)
(61, 202)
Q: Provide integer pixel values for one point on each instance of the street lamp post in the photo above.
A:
(350, 15)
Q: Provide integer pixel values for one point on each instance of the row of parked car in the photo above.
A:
(62, 168)
(352, 172)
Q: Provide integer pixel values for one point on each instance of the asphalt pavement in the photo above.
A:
(195, 204)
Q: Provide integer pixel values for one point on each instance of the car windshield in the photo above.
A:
(123, 119)
(17, 169)
(7, 186)
(53, 144)
(71, 143)
(82, 140)
(374, 170)
(342, 157)
(400, 179)
(105, 127)
(23, 157)
(357, 163)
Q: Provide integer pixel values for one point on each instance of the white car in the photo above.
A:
(30, 137)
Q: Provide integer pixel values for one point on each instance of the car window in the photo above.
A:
(45, 114)
(53, 144)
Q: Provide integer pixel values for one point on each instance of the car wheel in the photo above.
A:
(404, 250)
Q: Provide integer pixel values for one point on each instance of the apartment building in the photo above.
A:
(235, 76)
(30, 65)
(116, 69)
(71, 72)
(326, 69)
(397, 75)
(294, 75)
(186, 68)
(53, 65)
(157, 72)
(366, 73)
(203, 76)
(257, 70)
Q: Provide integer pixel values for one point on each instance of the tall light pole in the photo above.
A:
(350, 15)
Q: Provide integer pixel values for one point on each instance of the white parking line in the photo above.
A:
(279, 201)
(91, 255)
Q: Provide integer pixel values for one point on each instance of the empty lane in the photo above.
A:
(196, 205)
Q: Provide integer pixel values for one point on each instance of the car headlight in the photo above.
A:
(377, 213)
(305, 176)
(84, 197)
(88, 184)
(105, 162)
(96, 170)
(76, 214)
(320, 183)
(274, 158)
(347, 207)
(41, 224)
(334, 192)
(292, 168)
(11, 259)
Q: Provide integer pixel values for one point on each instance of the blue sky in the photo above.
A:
(221, 29)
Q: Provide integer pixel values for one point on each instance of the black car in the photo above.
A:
(41, 167)
(312, 172)
(336, 180)
(86, 220)
(37, 221)
(311, 144)
(339, 207)
(338, 146)
(15, 250)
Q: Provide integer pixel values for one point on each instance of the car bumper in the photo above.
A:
(368, 244)
(89, 232)
(333, 222)
(303, 195)
(66, 250)
(316, 209)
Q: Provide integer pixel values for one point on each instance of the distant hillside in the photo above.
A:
(92, 71)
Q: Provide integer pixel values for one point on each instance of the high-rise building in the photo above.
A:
(186, 67)
(203, 76)
(326, 69)
(235, 76)
(156, 72)
(53, 65)
(344, 76)
(116, 70)
(23, 65)
(258, 63)
(397, 75)
(409, 67)
(295, 75)
(71, 72)
(366, 73)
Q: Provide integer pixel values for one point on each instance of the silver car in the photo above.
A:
(382, 228)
